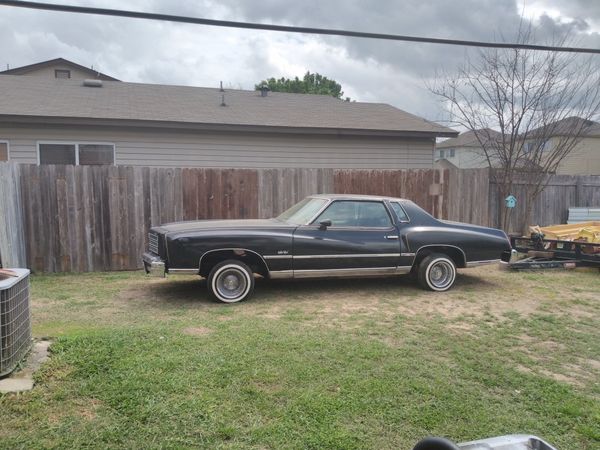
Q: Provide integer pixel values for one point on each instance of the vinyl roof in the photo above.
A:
(29, 97)
(355, 197)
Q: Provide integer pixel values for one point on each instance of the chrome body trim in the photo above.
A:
(281, 274)
(441, 245)
(153, 265)
(183, 271)
(392, 237)
(352, 272)
(483, 263)
(232, 249)
(277, 256)
(407, 254)
(153, 242)
(334, 228)
(348, 255)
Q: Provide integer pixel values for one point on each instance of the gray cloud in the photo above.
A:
(369, 70)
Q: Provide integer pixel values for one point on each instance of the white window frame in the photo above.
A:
(77, 144)
(4, 141)
(68, 71)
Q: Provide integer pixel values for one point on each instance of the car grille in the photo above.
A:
(153, 242)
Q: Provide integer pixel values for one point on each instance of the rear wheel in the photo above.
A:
(231, 281)
(437, 272)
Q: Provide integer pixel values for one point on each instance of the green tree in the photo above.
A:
(311, 83)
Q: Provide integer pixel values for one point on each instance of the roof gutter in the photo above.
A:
(22, 120)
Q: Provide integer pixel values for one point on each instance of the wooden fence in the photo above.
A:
(12, 240)
(552, 205)
(92, 218)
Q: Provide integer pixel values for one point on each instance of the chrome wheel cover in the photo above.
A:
(231, 283)
(441, 274)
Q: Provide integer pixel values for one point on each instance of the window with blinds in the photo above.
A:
(74, 153)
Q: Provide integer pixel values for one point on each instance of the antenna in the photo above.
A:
(221, 88)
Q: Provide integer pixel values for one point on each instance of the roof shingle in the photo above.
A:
(41, 97)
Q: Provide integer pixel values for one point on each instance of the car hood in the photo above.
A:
(202, 225)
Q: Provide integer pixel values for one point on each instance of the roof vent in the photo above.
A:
(223, 100)
(221, 88)
(92, 83)
(264, 90)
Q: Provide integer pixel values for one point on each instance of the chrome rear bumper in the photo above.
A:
(153, 265)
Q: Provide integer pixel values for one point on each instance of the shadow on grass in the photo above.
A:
(187, 291)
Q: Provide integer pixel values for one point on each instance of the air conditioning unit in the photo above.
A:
(15, 319)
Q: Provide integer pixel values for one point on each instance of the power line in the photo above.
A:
(285, 28)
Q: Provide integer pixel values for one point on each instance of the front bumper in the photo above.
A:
(153, 265)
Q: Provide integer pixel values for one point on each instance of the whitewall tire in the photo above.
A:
(437, 272)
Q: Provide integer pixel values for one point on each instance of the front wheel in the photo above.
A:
(437, 272)
(231, 281)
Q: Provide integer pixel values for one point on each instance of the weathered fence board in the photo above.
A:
(468, 196)
(90, 218)
(552, 205)
(278, 189)
(13, 252)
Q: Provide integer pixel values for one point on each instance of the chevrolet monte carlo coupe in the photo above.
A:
(324, 236)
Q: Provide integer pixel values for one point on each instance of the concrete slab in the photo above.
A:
(22, 380)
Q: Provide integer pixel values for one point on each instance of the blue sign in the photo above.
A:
(510, 201)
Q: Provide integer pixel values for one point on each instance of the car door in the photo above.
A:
(362, 237)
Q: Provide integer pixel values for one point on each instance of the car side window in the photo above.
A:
(344, 213)
(399, 211)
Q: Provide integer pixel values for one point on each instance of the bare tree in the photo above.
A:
(528, 109)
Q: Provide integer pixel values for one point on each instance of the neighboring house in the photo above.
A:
(69, 121)
(58, 68)
(584, 159)
(466, 152)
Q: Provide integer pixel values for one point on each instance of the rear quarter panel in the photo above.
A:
(476, 245)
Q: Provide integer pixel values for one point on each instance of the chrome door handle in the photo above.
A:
(391, 237)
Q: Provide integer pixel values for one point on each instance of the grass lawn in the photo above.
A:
(149, 363)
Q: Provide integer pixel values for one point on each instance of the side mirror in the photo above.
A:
(323, 224)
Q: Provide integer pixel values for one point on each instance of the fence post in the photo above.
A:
(12, 237)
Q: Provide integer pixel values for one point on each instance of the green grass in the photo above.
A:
(140, 363)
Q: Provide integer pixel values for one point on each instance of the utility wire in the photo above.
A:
(285, 28)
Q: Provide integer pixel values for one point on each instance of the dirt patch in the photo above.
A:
(197, 331)
(89, 410)
(562, 378)
(484, 293)
(478, 292)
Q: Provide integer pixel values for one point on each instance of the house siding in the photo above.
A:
(48, 72)
(167, 148)
(466, 157)
(583, 160)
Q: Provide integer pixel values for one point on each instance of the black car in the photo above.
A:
(324, 236)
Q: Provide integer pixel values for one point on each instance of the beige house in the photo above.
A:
(55, 120)
(465, 151)
(585, 157)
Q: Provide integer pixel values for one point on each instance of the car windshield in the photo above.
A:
(302, 212)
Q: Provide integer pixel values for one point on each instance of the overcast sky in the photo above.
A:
(369, 70)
